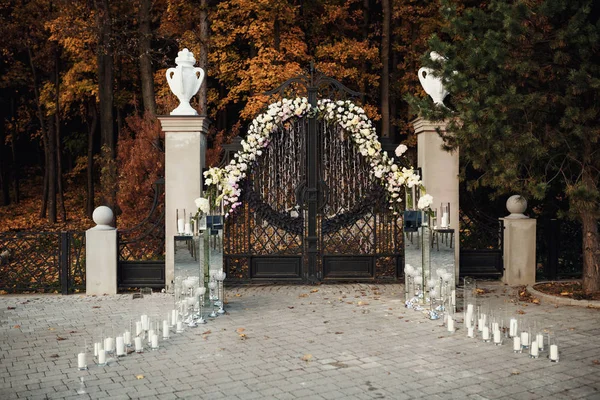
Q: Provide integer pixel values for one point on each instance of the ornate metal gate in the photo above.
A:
(141, 255)
(310, 211)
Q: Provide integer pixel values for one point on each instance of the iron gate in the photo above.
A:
(310, 211)
(141, 248)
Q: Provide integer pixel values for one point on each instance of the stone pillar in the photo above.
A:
(101, 254)
(519, 244)
(185, 150)
(439, 170)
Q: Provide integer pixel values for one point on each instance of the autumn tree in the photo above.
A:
(525, 84)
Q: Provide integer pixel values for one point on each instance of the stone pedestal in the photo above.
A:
(101, 255)
(185, 150)
(519, 251)
(439, 170)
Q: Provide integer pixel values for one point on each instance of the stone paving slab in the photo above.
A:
(301, 342)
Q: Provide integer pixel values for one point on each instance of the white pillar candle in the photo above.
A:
(101, 356)
(495, 326)
(155, 341)
(96, 349)
(470, 309)
(468, 322)
(109, 344)
(540, 341)
(165, 331)
(480, 324)
(120, 346)
(513, 327)
(145, 322)
(173, 317)
(485, 333)
(525, 339)
(517, 344)
(453, 297)
(81, 364)
(138, 345)
(534, 351)
(553, 352)
(150, 334)
(471, 332)
(138, 328)
(450, 324)
(444, 220)
(188, 229)
(180, 225)
(179, 326)
(497, 336)
(127, 338)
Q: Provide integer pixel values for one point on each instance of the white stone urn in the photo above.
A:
(433, 85)
(516, 206)
(184, 81)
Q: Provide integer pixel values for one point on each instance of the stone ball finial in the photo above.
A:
(516, 206)
(103, 217)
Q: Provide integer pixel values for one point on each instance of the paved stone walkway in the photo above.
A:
(314, 342)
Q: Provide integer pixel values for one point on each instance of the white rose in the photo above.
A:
(401, 150)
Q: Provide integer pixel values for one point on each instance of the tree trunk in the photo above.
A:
(591, 246)
(43, 132)
(106, 91)
(146, 70)
(4, 178)
(203, 56)
(61, 198)
(13, 148)
(51, 171)
(364, 84)
(385, 69)
(90, 158)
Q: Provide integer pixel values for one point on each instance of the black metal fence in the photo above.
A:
(559, 249)
(42, 262)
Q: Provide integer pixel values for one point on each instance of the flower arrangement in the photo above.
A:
(203, 206)
(347, 115)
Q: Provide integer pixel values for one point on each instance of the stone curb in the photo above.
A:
(562, 300)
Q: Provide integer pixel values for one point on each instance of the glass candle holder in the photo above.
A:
(553, 353)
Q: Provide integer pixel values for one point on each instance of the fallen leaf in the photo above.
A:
(515, 373)
(60, 338)
(363, 303)
(238, 295)
(307, 357)
(207, 332)
(314, 290)
(303, 295)
(349, 302)
(595, 362)
(53, 355)
(535, 301)
(520, 312)
(51, 329)
(565, 293)
(72, 331)
(17, 326)
(139, 377)
(242, 336)
(95, 306)
(339, 333)
(11, 308)
(240, 330)
(325, 322)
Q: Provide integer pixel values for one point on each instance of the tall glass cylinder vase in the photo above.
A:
(425, 252)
